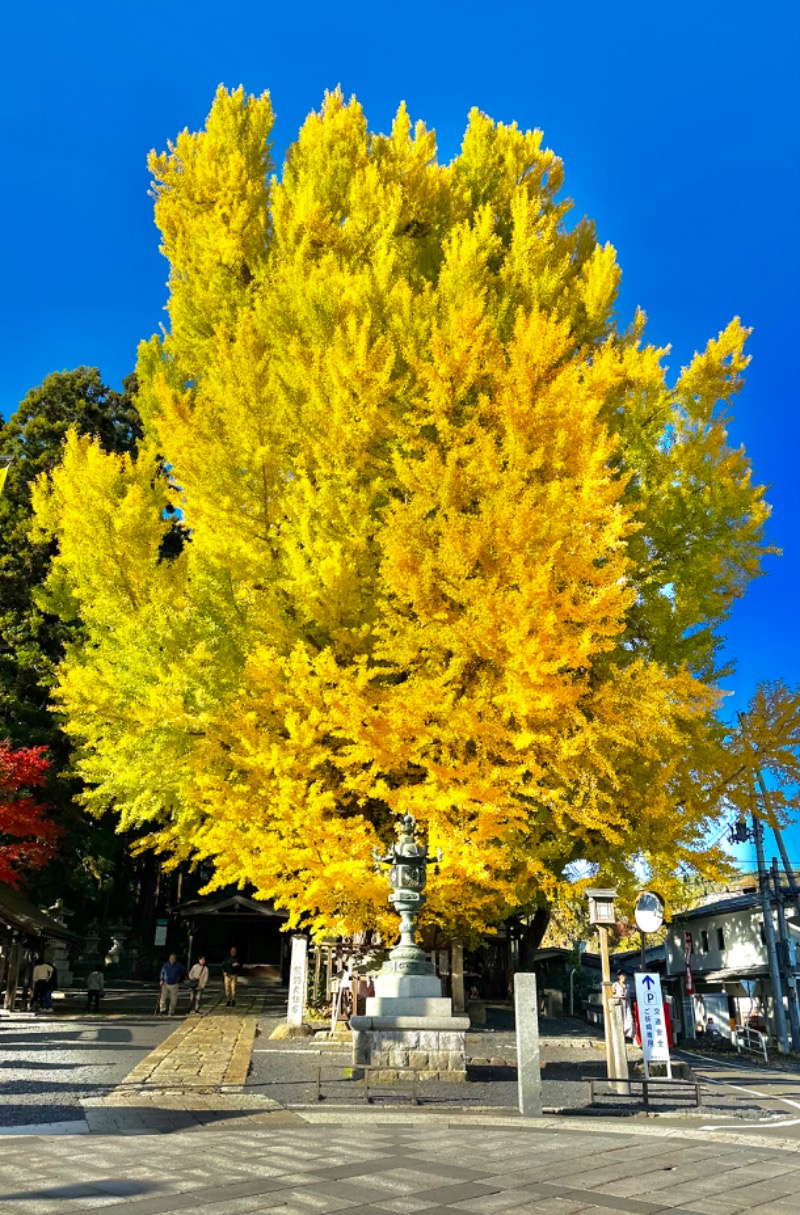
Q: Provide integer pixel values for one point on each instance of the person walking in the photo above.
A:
(172, 975)
(231, 969)
(41, 985)
(198, 977)
(95, 986)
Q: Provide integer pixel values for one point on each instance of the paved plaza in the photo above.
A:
(213, 1116)
(368, 1166)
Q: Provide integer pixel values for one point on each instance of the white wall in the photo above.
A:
(741, 932)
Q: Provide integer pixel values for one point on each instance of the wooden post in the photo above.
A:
(616, 1055)
(12, 975)
(317, 969)
(457, 976)
(605, 972)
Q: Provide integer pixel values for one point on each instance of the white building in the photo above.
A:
(726, 943)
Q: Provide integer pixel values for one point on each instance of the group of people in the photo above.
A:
(173, 974)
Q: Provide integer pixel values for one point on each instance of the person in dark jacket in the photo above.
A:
(172, 975)
(231, 969)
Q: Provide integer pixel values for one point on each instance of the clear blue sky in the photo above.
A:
(678, 121)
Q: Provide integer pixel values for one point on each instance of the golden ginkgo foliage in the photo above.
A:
(452, 544)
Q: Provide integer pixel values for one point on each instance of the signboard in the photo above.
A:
(649, 911)
(689, 980)
(161, 933)
(297, 981)
(655, 1041)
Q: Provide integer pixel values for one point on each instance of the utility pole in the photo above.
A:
(769, 933)
(785, 958)
(790, 878)
(766, 905)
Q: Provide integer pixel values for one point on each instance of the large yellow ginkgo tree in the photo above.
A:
(451, 543)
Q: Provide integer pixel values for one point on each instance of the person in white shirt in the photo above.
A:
(95, 986)
(198, 977)
(41, 984)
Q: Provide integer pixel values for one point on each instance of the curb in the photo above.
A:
(485, 1121)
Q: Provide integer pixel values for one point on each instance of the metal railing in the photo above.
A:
(752, 1040)
(368, 1074)
(652, 1087)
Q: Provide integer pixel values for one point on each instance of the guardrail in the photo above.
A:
(652, 1087)
(366, 1074)
(752, 1040)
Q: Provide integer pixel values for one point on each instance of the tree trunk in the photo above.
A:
(531, 938)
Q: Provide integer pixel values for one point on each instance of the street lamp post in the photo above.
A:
(601, 914)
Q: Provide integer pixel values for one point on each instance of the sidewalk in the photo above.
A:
(182, 1132)
(374, 1166)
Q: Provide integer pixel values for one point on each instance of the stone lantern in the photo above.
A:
(408, 1023)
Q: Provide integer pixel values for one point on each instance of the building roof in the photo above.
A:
(733, 902)
(629, 960)
(19, 914)
(555, 953)
(229, 905)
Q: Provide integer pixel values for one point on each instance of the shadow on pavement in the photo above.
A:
(119, 1188)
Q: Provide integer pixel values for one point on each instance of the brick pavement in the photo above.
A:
(182, 1133)
(375, 1166)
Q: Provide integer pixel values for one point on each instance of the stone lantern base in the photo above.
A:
(434, 1047)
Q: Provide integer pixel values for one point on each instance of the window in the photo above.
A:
(763, 932)
(720, 939)
(703, 941)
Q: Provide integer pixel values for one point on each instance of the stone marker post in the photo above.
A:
(297, 981)
(529, 1073)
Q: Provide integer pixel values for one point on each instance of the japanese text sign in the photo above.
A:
(655, 1043)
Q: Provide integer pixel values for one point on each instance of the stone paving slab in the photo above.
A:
(427, 1169)
(213, 1048)
(194, 1078)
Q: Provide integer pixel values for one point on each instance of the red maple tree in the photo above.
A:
(27, 837)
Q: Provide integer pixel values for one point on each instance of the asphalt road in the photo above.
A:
(767, 1099)
(48, 1063)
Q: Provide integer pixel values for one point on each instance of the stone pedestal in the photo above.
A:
(435, 1047)
(409, 1024)
(399, 995)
